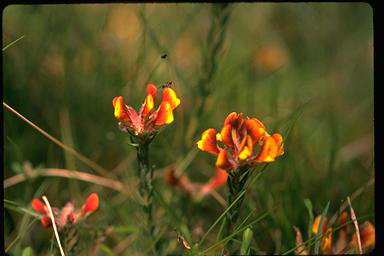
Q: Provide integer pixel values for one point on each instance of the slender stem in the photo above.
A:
(235, 182)
(146, 187)
(79, 156)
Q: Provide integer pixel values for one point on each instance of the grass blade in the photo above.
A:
(308, 205)
(247, 239)
(236, 232)
(320, 229)
(12, 43)
(222, 216)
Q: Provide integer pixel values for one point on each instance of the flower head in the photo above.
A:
(148, 120)
(68, 214)
(367, 235)
(197, 190)
(243, 141)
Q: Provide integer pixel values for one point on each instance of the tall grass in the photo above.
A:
(305, 70)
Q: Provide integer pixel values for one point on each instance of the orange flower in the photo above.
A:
(215, 182)
(344, 241)
(42, 209)
(316, 223)
(148, 121)
(367, 236)
(67, 214)
(242, 141)
(91, 204)
(196, 189)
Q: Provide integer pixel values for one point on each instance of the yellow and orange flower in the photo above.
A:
(367, 236)
(242, 141)
(68, 214)
(148, 120)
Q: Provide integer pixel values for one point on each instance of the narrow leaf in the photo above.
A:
(308, 205)
(247, 239)
(320, 229)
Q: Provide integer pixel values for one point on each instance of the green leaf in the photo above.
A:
(27, 251)
(106, 249)
(237, 232)
(308, 205)
(222, 216)
(247, 239)
(320, 229)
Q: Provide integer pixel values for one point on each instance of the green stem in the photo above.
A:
(145, 186)
(235, 183)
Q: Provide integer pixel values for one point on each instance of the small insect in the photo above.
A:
(182, 240)
(167, 84)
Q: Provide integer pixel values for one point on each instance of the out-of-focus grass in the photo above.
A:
(73, 59)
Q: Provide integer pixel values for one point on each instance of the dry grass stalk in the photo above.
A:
(353, 216)
(54, 225)
(301, 249)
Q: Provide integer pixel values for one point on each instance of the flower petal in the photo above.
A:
(226, 135)
(279, 143)
(148, 105)
(46, 222)
(216, 181)
(255, 128)
(326, 243)
(164, 115)
(367, 235)
(208, 142)
(268, 150)
(222, 161)
(91, 203)
(316, 223)
(152, 90)
(121, 111)
(170, 177)
(39, 206)
(169, 96)
(243, 135)
(231, 118)
(245, 153)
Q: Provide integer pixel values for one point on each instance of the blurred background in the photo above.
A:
(305, 70)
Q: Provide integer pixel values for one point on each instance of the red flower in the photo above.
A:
(148, 121)
(67, 214)
(91, 204)
(42, 209)
(237, 143)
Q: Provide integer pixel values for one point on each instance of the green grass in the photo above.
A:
(63, 64)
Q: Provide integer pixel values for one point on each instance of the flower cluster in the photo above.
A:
(243, 141)
(367, 236)
(68, 214)
(147, 121)
(196, 189)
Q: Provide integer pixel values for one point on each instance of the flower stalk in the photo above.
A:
(142, 127)
(145, 174)
(242, 144)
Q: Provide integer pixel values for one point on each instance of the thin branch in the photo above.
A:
(71, 174)
(353, 216)
(54, 225)
(355, 194)
(10, 44)
(79, 156)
